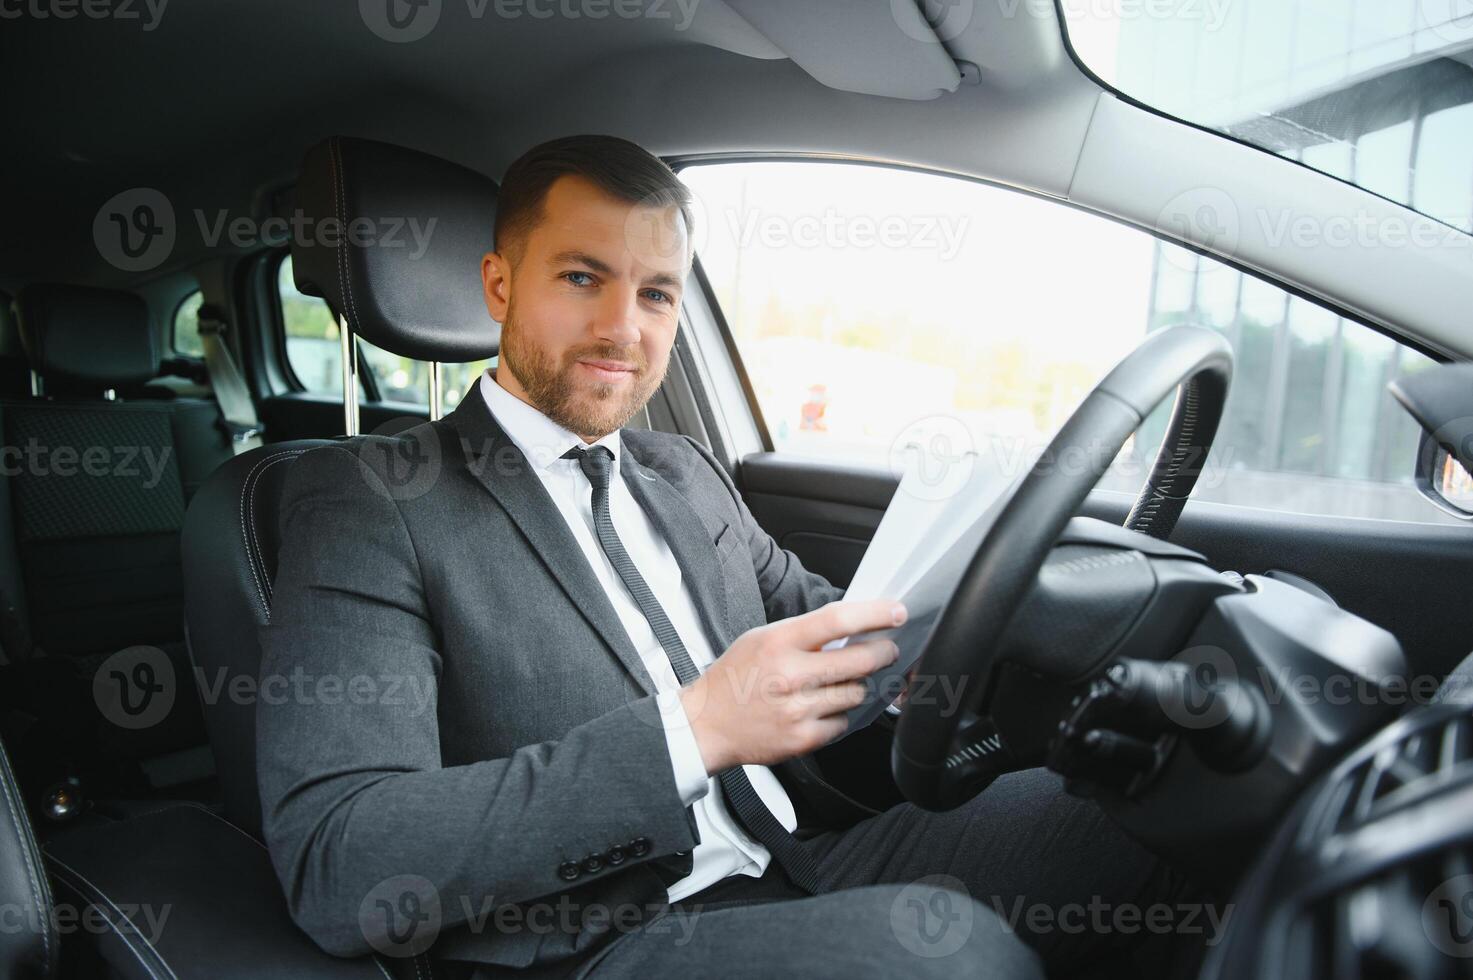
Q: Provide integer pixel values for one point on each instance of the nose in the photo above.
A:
(616, 320)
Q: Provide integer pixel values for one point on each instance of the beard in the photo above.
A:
(554, 387)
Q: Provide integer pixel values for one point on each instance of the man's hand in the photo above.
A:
(776, 694)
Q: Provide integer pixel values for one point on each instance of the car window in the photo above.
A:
(1374, 92)
(185, 338)
(871, 303)
(315, 353)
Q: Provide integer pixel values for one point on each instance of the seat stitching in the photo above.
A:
(247, 539)
(202, 809)
(345, 279)
(256, 552)
(38, 889)
(114, 926)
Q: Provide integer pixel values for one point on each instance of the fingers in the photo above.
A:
(838, 619)
(850, 662)
(822, 731)
(820, 702)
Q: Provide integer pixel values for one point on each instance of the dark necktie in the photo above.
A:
(598, 463)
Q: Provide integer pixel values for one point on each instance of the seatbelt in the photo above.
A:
(231, 393)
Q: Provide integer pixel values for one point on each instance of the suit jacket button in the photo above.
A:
(593, 863)
(639, 847)
(615, 855)
(568, 870)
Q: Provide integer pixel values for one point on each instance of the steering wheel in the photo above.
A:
(944, 754)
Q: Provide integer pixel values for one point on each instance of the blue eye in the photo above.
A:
(657, 295)
(578, 278)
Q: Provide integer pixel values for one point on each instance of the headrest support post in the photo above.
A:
(350, 377)
(435, 408)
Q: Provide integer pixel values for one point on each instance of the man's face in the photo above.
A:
(588, 302)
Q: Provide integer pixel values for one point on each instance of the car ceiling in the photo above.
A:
(215, 105)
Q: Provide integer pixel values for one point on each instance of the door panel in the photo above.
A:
(1411, 579)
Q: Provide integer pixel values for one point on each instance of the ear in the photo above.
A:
(496, 284)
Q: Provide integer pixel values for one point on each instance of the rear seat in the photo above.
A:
(97, 483)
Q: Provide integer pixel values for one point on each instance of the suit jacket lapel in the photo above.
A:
(502, 469)
(689, 540)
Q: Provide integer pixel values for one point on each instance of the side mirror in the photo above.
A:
(1443, 480)
(1441, 400)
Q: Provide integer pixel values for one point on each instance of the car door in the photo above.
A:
(854, 318)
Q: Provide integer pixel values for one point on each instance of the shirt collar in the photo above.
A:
(540, 439)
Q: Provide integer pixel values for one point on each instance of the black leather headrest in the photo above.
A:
(88, 336)
(393, 241)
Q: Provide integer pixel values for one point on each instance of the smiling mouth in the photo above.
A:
(609, 371)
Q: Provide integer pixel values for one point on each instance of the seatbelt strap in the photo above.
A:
(231, 393)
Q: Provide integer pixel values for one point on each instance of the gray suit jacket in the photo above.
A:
(447, 693)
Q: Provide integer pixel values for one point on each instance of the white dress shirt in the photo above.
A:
(725, 848)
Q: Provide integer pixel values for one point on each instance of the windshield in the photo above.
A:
(1375, 92)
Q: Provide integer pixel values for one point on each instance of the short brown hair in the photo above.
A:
(623, 169)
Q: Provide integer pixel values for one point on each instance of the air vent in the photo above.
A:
(1397, 774)
(1411, 922)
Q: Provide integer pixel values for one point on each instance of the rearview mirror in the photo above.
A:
(1443, 480)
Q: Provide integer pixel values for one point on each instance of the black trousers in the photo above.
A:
(1021, 879)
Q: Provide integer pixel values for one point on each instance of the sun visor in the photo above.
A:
(873, 47)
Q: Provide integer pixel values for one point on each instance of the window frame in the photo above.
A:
(367, 383)
(174, 326)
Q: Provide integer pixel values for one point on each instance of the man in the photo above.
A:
(579, 686)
